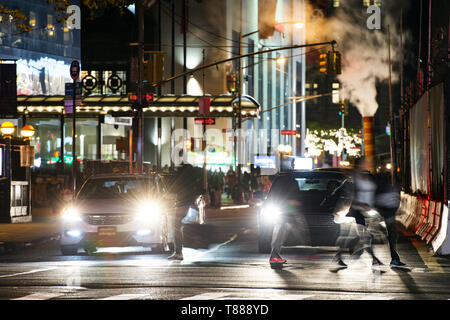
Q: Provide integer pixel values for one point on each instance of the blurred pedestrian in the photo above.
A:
(363, 201)
(387, 202)
(290, 218)
(231, 182)
(187, 186)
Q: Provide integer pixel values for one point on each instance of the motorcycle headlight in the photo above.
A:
(270, 213)
(71, 214)
(149, 212)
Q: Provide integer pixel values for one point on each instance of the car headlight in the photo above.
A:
(270, 213)
(342, 213)
(149, 212)
(71, 214)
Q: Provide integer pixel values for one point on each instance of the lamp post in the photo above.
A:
(7, 129)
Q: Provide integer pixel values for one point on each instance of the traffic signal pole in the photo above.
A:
(213, 64)
(139, 151)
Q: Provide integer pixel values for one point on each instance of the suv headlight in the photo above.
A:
(149, 212)
(270, 213)
(71, 214)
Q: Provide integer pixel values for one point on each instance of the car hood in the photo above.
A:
(106, 206)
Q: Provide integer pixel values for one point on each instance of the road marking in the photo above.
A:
(291, 297)
(27, 272)
(207, 296)
(376, 297)
(39, 296)
(126, 296)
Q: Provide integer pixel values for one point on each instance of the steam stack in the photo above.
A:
(369, 142)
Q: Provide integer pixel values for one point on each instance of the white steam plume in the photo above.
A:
(364, 51)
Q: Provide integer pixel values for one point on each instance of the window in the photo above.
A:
(336, 3)
(335, 85)
(366, 3)
(46, 142)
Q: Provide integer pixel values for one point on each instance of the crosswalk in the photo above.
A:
(213, 295)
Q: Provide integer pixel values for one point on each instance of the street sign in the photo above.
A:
(74, 70)
(68, 97)
(207, 121)
(288, 132)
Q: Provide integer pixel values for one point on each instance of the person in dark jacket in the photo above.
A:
(187, 186)
(286, 194)
(387, 202)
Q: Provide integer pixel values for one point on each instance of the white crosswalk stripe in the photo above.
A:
(207, 296)
(126, 296)
(39, 296)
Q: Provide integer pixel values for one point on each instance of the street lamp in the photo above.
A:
(7, 129)
(27, 132)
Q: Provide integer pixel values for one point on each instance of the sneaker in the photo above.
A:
(376, 263)
(398, 264)
(340, 263)
(277, 260)
(176, 256)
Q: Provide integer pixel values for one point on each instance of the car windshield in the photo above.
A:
(111, 188)
(313, 189)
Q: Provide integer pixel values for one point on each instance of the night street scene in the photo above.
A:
(225, 159)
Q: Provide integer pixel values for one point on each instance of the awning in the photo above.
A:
(161, 106)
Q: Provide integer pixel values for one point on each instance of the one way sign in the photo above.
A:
(207, 121)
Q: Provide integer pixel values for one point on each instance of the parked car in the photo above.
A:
(118, 210)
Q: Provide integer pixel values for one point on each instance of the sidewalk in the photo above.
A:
(44, 227)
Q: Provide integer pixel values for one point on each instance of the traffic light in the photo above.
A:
(146, 98)
(343, 108)
(326, 63)
(337, 62)
(154, 66)
(330, 62)
(231, 83)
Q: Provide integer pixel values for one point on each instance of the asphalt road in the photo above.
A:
(230, 269)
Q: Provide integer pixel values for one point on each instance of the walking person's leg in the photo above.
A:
(176, 225)
(278, 238)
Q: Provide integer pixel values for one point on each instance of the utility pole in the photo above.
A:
(391, 115)
(239, 88)
(140, 14)
(172, 85)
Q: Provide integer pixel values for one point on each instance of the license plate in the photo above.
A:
(107, 231)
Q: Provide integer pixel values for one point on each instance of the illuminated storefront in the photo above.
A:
(104, 122)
